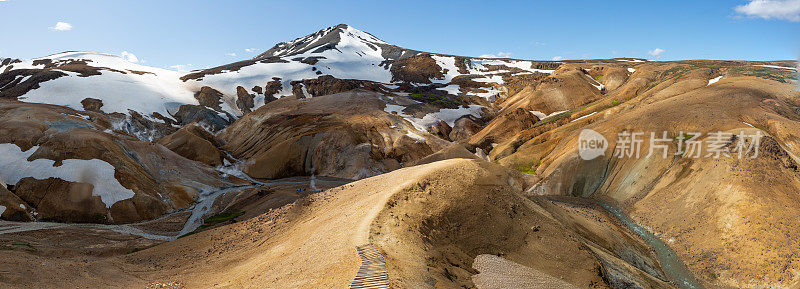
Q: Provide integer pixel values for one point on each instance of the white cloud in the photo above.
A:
(556, 58)
(771, 9)
(656, 52)
(250, 50)
(130, 57)
(498, 55)
(230, 54)
(181, 67)
(62, 26)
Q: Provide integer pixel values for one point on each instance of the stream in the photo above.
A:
(672, 266)
(200, 210)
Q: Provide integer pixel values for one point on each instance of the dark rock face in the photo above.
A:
(12, 83)
(441, 129)
(229, 67)
(271, 89)
(92, 104)
(464, 128)
(15, 208)
(195, 113)
(417, 69)
(327, 85)
(209, 97)
(244, 100)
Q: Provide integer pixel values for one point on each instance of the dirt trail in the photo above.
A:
(308, 244)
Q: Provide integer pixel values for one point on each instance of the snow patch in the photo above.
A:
(582, 117)
(15, 166)
(446, 115)
(595, 83)
(540, 115)
(777, 67)
(141, 88)
(630, 60)
(714, 80)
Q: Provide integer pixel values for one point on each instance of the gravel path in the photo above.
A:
(499, 273)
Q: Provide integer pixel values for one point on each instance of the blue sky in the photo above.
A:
(198, 34)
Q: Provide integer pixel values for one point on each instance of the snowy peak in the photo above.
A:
(331, 38)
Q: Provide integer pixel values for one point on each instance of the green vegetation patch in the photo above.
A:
(436, 99)
(529, 168)
(214, 220)
(554, 118)
(776, 74)
(220, 218)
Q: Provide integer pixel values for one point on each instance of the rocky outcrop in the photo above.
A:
(92, 104)
(416, 69)
(503, 127)
(464, 128)
(12, 208)
(244, 100)
(188, 114)
(347, 135)
(440, 129)
(195, 143)
(209, 97)
(327, 84)
(70, 169)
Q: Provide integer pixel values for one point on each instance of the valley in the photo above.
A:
(279, 171)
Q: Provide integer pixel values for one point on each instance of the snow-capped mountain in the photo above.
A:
(332, 60)
(336, 37)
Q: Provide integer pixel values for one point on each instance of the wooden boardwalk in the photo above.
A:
(372, 273)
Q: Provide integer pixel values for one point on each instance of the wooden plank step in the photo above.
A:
(372, 273)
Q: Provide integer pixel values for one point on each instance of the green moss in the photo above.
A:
(220, 218)
(554, 118)
(675, 72)
(214, 220)
(779, 75)
(436, 99)
(529, 168)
